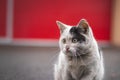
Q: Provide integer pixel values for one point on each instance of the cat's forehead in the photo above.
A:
(71, 31)
(67, 31)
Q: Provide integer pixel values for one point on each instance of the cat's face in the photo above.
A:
(74, 40)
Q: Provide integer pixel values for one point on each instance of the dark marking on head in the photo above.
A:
(75, 32)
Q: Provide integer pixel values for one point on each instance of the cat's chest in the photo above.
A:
(76, 68)
(75, 62)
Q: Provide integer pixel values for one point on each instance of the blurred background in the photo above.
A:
(29, 35)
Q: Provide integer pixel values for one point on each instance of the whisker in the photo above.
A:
(54, 57)
(75, 56)
(76, 59)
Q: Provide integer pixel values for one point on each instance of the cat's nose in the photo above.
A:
(67, 48)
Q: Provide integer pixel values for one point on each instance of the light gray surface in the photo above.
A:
(36, 63)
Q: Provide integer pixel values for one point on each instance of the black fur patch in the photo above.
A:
(75, 32)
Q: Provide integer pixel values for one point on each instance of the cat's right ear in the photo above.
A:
(83, 24)
(61, 26)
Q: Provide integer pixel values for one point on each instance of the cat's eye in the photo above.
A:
(64, 41)
(74, 40)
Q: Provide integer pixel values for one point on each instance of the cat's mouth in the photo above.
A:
(74, 52)
(71, 53)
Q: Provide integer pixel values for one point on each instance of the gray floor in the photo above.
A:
(36, 63)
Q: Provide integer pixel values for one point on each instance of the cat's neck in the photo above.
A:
(83, 57)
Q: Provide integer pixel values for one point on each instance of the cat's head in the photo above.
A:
(74, 40)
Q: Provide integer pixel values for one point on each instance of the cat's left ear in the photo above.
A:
(83, 25)
(61, 26)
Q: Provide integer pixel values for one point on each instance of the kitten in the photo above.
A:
(79, 57)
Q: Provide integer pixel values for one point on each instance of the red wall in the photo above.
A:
(2, 18)
(36, 19)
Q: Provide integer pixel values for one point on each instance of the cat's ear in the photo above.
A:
(61, 26)
(83, 24)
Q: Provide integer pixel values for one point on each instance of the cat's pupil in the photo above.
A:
(64, 41)
(74, 40)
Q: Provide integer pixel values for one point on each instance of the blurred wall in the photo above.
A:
(115, 30)
(2, 18)
(31, 20)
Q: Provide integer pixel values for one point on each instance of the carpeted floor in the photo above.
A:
(36, 63)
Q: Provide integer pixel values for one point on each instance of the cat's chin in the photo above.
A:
(67, 53)
(70, 53)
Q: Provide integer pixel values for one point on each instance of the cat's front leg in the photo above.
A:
(57, 73)
(67, 76)
(88, 75)
(88, 78)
